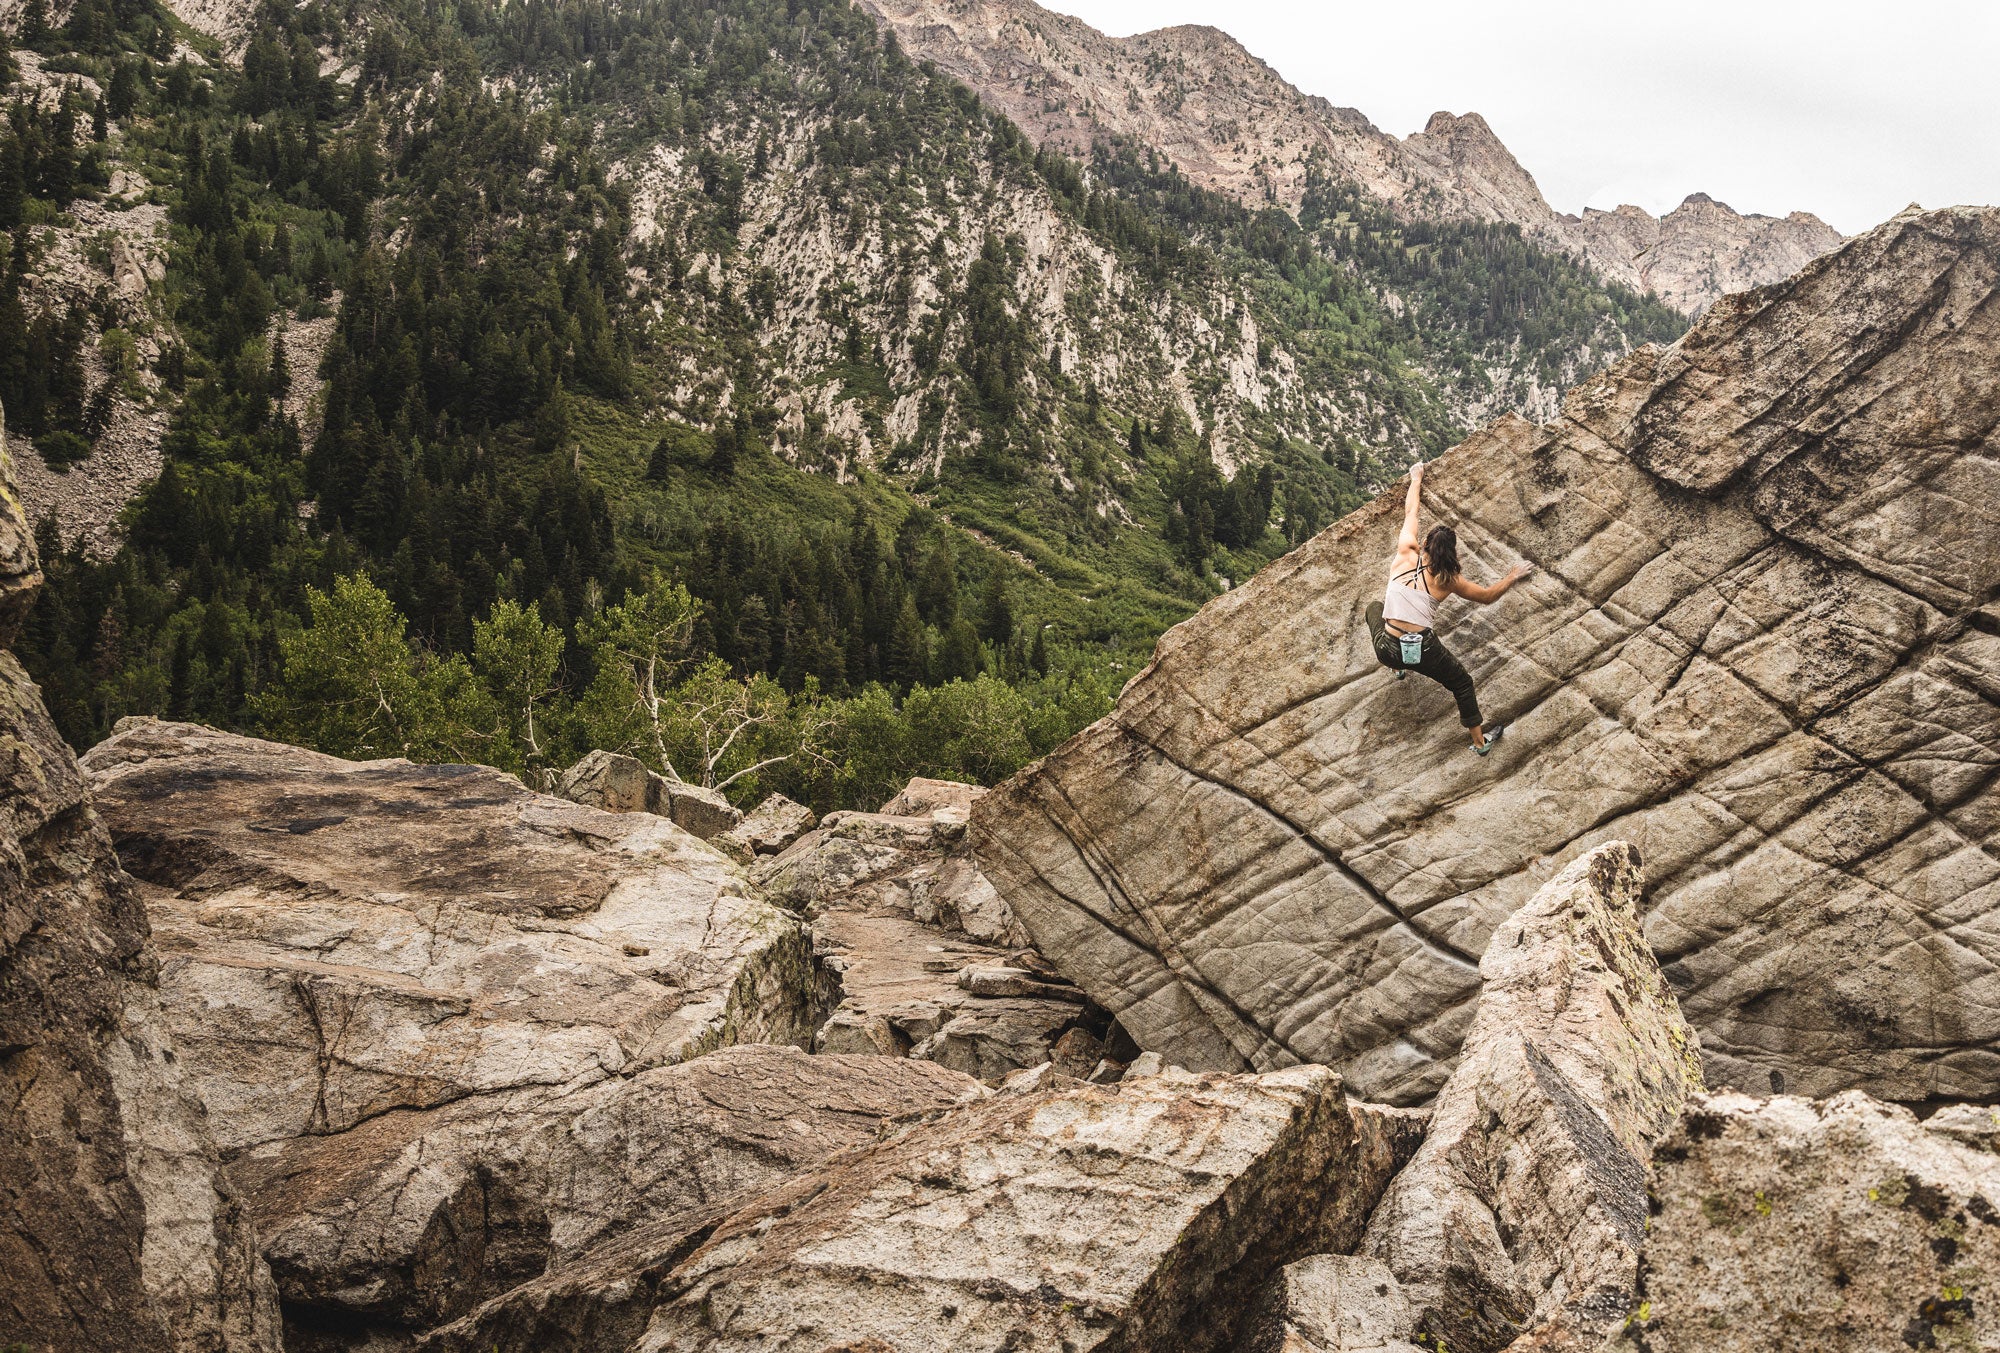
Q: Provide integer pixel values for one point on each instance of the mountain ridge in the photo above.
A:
(1194, 93)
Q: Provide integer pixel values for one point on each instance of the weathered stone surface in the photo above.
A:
(607, 780)
(1760, 645)
(1331, 1303)
(1843, 1225)
(621, 784)
(702, 812)
(772, 826)
(412, 1218)
(942, 800)
(342, 939)
(1526, 1202)
(1134, 1216)
(115, 1230)
(890, 899)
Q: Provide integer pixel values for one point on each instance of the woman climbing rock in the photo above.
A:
(1402, 624)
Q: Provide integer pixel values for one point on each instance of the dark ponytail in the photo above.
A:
(1441, 553)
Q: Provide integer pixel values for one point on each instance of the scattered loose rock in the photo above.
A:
(1526, 1202)
(622, 784)
(1135, 1216)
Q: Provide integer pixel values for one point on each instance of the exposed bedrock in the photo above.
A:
(1526, 1204)
(1763, 645)
(1137, 1216)
(116, 1231)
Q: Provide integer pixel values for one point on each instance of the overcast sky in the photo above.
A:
(1851, 111)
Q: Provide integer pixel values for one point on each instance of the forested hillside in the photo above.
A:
(697, 368)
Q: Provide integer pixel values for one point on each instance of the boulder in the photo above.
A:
(1331, 1303)
(622, 784)
(702, 812)
(413, 1217)
(941, 800)
(1758, 644)
(340, 939)
(1526, 1203)
(773, 825)
(1844, 1225)
(116, 1229)
(1134, 1216)
(607, 780)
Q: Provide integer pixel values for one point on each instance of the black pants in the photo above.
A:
(1437, 664)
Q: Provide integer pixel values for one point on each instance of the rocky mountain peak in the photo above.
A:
(1231, 123)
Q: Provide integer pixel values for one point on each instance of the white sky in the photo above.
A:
(1848, 110)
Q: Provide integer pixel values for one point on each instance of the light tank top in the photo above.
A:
(1410, 605)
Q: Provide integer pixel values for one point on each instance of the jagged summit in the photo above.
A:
(1232, 123)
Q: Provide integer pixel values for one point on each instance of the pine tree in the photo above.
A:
(100, 122)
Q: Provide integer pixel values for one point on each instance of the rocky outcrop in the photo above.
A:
(931, 962)
(1136, 1216)
(1526, 1204)
(115, 1230)
(1759, 647)
(1844, 1225)
(341, 939)
(412, 1218)
(1231, 123)
(622, 784)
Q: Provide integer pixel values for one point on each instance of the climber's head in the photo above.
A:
(1441, 553)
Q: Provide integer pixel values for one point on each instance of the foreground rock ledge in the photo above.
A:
(1136, 1216)
(340, 939)
(1526, 1204)
(1760, 646)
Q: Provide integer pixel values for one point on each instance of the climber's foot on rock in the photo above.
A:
(1493, 735)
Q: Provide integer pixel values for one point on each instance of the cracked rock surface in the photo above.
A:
(1140, 1215)
(1761, 645)
(341, 939)
(414, 1217)
(1844, 1225)
(1526, 1204)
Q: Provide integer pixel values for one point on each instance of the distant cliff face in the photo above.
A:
(1231, 123)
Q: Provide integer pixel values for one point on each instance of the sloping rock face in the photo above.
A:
(1135, 1216)
(1526, 1204)
(115, 1231)
(1760, 646)
(340, 939)
(414, 1217)
(1844, 1225)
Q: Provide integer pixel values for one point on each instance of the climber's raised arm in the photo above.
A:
(1492, 592)
(1408, 540)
